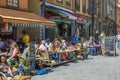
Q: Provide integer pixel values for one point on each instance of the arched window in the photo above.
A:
(12, 3)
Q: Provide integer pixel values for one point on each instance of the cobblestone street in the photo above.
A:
(96, 68)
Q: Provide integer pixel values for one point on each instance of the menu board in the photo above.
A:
(32, 51)
(110, 43)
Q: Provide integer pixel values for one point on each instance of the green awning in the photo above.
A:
(62, 22)
(67, 23)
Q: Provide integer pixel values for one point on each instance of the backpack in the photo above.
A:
(42, 71)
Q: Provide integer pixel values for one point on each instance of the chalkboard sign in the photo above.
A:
(32, 51)
(110, 43)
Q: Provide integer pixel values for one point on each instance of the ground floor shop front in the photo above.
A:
(13, 22)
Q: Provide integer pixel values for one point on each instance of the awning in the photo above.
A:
(59, 7)
(73, 16)
(63, 22)
(15, 16)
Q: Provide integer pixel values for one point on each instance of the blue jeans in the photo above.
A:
(25, 53)
(52, 56)
(91, 50)
(57, 57)
(118, 44)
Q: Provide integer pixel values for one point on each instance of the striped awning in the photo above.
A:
(23, 18)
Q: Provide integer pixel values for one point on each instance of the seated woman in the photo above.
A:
(56, 49)
(78, 49)
(4, 67)
(13, 54)
(70, 47)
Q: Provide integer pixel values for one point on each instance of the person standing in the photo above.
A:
(118, 40)
(97, 42)
(91, 48)
(96, 37)
(26, 38)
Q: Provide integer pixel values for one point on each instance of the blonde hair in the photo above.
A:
(15, 45)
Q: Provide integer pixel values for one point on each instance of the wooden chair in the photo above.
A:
(45, 57)
(2, 76)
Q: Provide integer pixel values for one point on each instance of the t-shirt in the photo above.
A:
(48, 45)
(1, 44)
(43, 47)
(26, 39)
(90, 43)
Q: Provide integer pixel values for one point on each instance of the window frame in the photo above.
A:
(68, 3)
(59, 1)
(84, 10)
(77, 5)
(14, 3)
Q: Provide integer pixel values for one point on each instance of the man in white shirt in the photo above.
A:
(42, 46)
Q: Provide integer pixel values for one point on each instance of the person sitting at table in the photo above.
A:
(70, 47)
(4, 66)
(56, 49)
(78, 49)
(85, 44)
(91, 48)
(63, 45)
(42, 47)
(13, 53)
(48, 43)
(64, 48)
(44, 51)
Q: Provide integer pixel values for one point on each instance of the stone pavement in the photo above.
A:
(96, 68)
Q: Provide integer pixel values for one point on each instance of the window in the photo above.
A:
(77, 5)
(12, 3)
(84, 6)
(68, 2)
(61, 1)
